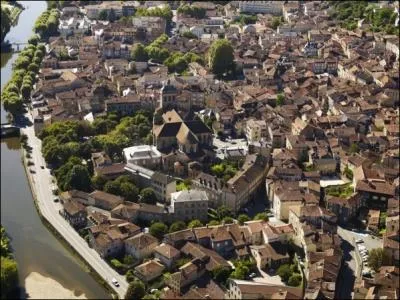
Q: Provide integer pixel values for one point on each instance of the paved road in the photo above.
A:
(266, 278)
(42, 188)
(352, 267)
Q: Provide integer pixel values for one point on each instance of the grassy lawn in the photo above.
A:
(181, 186)
(344, 191)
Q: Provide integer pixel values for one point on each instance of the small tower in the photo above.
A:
(168, 95)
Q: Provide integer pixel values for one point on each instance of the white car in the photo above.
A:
(252, 275)
(365, 259)
(361, 248)
(115, 282)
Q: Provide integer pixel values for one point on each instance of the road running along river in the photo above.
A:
(35, 248)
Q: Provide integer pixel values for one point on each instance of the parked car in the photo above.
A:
(366, 273)
(42, 167)
(56, 200)
(32, 171)
(252, 275)
(359, 241)
(115, 282)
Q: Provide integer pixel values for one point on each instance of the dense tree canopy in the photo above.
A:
(147, 195)
(192, 11)
(136, 290)
(138, 53)
(25, 69)
(158, 230)
(9, 276)
(220, 57)
(221, 274)
(164, 12)
(243, 218)
(47, 23)
(9, 272)
(224, 170)
(348, 13)
(177, 226)
(261, 216)
(376, 258)
(123, 186)
(5, 22)
(195, 223)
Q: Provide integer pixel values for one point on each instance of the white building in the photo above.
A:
(143, 155)
(261, 7)
(189, 204)
(73, 26)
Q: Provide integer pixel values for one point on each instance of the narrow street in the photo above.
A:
(351, 267)
(42, 188)
(348, 271)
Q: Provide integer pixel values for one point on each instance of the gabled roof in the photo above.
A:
(141, 240)
(167, 251)
(169, 129)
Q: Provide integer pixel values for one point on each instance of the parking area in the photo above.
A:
(228, 143)
(269, 279)
(364, 244)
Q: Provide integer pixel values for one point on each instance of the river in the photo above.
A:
(36, 249)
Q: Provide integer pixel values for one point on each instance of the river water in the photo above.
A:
(35, 248)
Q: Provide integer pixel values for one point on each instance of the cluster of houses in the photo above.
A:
(317, 104)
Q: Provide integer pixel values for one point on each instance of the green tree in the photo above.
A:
(138, 53)
(78, 178)
(129, 191)
(243, 218)
(130, 276)
(276, 21)
(147, 195)
(112, 187)
(9, 277)
(354, 148)
(280, 99)
(33, 40)
(227, 220)
(240, 273)
(98, 182)
(128, 260)
(377, 257)
(158, 230)
(294, 280)
(261, 216)
(213, 223)
(136, 290)
(192, 11)
(284, 272)
(26, 91)
(221, 274)
(189, 35)
(5, 22)
(177, 226)
(103, 15)
(195, 223)
(220, 57)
